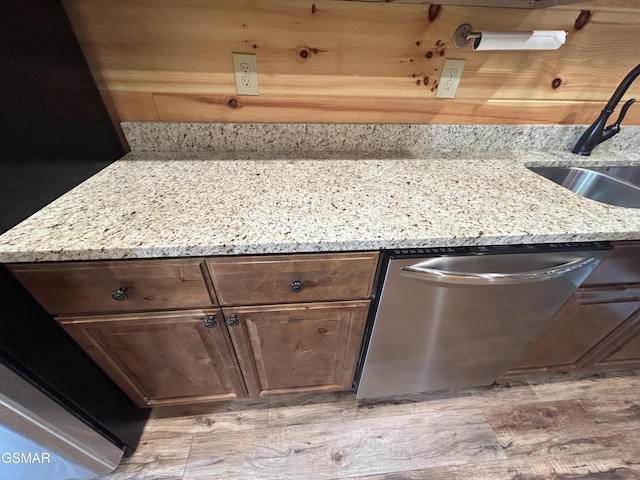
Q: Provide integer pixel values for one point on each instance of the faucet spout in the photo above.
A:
(598, 132)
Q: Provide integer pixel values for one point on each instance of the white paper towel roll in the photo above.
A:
(527, 40)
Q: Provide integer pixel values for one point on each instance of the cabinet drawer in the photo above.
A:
(621, 265)
(88, 287)
(252, 280)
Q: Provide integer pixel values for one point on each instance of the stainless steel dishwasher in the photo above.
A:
(458, 317)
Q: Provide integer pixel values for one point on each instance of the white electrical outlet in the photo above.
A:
(245, 68)
(450, 78)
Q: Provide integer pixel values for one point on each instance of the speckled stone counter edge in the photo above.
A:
(160, 203)
(368, 140)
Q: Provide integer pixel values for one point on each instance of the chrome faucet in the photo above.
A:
(597, 132)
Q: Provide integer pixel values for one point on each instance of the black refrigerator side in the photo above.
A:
(55, 132)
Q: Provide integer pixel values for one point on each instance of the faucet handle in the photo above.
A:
(623, 112)
(614, 128)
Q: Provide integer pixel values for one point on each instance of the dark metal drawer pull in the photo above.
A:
(296, 286)
(232, 321)
(210, 321)
(120, 294)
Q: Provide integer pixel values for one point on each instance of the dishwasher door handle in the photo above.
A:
(421, 271)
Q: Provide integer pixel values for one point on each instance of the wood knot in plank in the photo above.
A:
(208, 421)
(338, 457)
(434, 10)
(305, 52)
(583, 19)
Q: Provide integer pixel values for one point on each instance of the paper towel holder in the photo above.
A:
(464, 34)
(513, 40)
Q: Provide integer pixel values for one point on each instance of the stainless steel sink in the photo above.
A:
(629, 174)
(599, 183)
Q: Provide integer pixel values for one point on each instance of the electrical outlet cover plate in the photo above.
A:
(245, 68)
(450, 78)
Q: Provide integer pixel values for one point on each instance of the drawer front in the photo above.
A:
(253, 280)
(621, 265)
(126, 285)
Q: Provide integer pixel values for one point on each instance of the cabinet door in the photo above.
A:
(568, 339)
(162, 358)
(297, 348)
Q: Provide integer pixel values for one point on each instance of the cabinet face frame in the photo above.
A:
(266, 375)
(98, 336)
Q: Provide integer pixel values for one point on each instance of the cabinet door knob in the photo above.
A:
(210, 321)
(296, 286)
(120, 294)
(232, 321)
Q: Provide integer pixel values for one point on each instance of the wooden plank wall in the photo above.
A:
(345, 61)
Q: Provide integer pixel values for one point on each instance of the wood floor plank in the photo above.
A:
(341, 411)
(596, 387)
(171, 411)
(157, 458)
(165, 470)
(301, 399)
(342, 449)
(516, 395)
(346, 407)
(547, 468)
(553, 428)
(568, 427)
(207, 418)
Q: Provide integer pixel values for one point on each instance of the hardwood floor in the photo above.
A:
(558, 428)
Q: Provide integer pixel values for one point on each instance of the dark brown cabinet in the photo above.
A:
(290, 323)
(296, 322)
(598, 326)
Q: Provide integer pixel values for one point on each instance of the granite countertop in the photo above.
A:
(196, 203)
